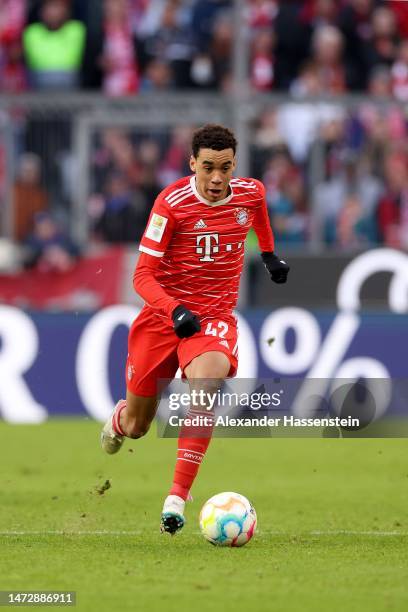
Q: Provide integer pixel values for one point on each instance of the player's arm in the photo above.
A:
(153, 246)
(277, 267)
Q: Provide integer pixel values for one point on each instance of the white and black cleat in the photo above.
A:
(172, 518)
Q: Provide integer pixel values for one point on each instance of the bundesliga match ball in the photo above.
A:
(228, 519)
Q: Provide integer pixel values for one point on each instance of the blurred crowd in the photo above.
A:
(334, 175)
(123, 47)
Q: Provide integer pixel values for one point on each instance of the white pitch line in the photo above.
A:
(261, 533)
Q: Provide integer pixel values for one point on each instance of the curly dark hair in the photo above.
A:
(213, 136)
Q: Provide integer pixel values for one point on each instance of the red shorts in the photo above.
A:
(155, 352)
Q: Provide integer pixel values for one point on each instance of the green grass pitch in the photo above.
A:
(333, 526)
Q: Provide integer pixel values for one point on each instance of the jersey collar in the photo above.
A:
(203, 200)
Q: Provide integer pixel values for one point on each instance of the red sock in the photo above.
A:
(116, 418)
(192, 445)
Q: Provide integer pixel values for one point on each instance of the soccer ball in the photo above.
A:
(228, 519)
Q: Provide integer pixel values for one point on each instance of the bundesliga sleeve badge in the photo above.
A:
(156, 227)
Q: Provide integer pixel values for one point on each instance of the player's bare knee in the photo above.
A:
(210, 368)
(212, 376)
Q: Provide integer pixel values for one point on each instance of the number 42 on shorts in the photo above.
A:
(220, 330)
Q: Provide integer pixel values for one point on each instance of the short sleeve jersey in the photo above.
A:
(201, 244)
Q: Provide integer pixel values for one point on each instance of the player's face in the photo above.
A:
(213, 170)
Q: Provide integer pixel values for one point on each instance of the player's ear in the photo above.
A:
(193, 163)
(234, 163)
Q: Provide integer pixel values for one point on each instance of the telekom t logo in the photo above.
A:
(209, 240)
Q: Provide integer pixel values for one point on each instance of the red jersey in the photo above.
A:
(193, 249)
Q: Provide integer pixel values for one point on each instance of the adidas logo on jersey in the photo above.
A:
(200, 224)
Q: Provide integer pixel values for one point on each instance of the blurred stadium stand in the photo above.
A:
(316, 91)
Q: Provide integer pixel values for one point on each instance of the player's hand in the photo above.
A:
(186, 323)
(277, 268)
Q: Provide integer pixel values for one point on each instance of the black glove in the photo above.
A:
(185, 322)
(277, 268)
